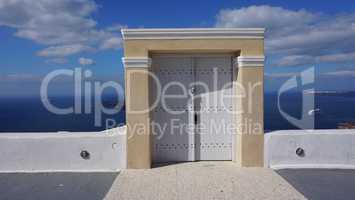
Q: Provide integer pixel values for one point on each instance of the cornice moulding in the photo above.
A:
(136, 62)
(193, 33)
(250, 61)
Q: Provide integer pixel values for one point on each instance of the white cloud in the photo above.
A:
(111, 43)
(293, 60)
(274, 18)
(115, 28)
(280, 75)
(86, 61)
(342, 57)
(18, 77)
(55, 23)
(341, 73)
(64, 50)
(57, 60)
(297, 33)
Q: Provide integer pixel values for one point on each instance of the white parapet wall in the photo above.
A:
(333, 149)
(62, 151)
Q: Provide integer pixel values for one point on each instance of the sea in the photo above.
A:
(28, 114)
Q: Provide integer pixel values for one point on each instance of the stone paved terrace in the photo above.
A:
(197, 180)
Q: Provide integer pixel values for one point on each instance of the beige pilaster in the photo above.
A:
(137, 112)
(250, 111)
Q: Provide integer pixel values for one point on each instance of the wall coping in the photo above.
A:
(193, 33)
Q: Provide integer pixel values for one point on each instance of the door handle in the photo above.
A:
(192, 91)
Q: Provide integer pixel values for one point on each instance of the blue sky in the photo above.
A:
(40, 36)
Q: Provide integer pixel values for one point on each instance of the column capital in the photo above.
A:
(136, 62)
(249, 61)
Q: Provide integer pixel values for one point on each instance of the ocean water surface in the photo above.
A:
(330, 110)
(28, 114)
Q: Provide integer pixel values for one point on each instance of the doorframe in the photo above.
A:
(139, 44)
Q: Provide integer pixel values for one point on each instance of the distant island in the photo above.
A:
(346, 125)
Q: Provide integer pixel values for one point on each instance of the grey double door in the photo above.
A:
(191, 108)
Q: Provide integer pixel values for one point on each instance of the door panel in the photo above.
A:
(173, 137)
(213, 135)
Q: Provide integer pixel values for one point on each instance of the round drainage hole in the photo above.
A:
(85, 155)
(300, 152)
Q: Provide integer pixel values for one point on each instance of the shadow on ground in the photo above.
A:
(322, 184)
(38, 186)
